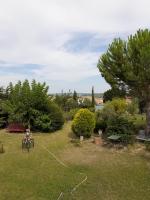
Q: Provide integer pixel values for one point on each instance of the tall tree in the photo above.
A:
(93, 97)
(31, 105)
(75, 96)
(113, 93)
(127, 64)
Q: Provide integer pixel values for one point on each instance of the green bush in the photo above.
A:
(50, 121)
(56, 116)
(100, 125)
(43, 123)
(118, 105)
(70, 115)
(139, 122)
(133, 107)
(83, 123)
(120, 125)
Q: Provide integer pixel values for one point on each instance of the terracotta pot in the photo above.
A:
(97, 140)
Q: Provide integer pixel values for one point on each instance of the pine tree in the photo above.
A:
(126, 64)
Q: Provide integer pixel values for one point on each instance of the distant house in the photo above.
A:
(98, 100)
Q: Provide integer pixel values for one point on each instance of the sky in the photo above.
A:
(60, 41)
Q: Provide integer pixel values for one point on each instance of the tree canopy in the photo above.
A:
(126, 64)
(30, 103)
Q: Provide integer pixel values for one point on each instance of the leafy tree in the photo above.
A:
(3, 116)
(113, 93)
(85, 103)
(3, 93)
(126, 64)
(111, 109)
(51, 120)
(121, 126)
(30, 104)
(133, 107)
(71, 104)
(61, 100)
(75, 96)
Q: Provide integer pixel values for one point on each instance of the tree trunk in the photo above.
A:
(147, 131)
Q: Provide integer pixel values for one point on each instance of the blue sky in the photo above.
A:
(61, 41)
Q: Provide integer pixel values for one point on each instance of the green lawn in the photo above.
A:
(112, 175)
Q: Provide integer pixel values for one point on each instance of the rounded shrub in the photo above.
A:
(121, 126)
(83, 123)
(56, 116)
(50, 121)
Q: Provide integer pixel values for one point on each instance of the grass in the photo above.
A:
(112, 174)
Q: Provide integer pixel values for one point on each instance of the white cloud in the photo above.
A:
(36, 31)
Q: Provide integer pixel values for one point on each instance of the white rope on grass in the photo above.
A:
(74, 189)
(64, 165)
(60, 196)
(53, 155)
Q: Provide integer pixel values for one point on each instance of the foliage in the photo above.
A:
(56, 116)
(51, 120)
(43, 123)
(133, 107)
(113, 93)
(83, 123)
(114, 118)
(3, 93)
(100, 125)
(71, 104)
(27, 103)
(66, 102)
(138, 120)
(111, 108)
(75, 95)
(70, 115)
(120, 126)
(3, 116)
(126, 64)
(85, 103)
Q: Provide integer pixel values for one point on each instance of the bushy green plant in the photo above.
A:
(43, 123)
(121, 126)
(70, 115)
(56, 116)
(3, 115)
(86, 103)
(31, 105)
(118, 105)
(83, 123)
(133, 107)
(138, 120)
(100, 125)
